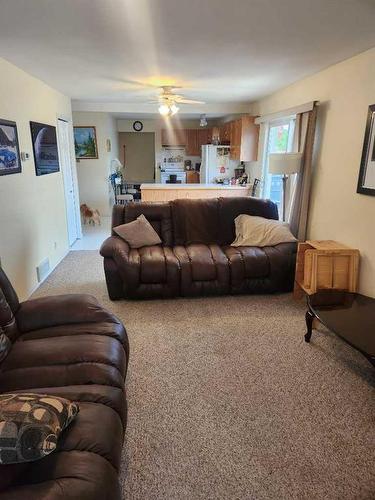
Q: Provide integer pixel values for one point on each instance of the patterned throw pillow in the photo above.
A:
(30, 425)
(5, 345)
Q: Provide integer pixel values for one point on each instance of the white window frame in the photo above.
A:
(288, 120)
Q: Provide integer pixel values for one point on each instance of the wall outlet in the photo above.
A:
(55, 245)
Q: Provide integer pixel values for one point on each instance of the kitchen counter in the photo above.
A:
(167, 192)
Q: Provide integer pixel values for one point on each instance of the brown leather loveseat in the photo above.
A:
(67, 346)
(196, 256)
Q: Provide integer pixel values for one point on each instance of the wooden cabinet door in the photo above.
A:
(249, 139)
(235, 139)
(225, 133)
(192, 177)
(192, 146)
(204, 137)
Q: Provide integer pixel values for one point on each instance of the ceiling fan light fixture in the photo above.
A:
(164, 110)
(174, 109)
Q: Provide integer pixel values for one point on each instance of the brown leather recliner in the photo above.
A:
(71, 347)
(196, 256)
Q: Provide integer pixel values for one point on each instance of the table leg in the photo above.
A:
(309, 324)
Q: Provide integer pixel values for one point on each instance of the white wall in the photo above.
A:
(337, 212)
(93, 175)
(32, 209)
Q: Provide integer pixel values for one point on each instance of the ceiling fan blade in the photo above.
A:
(188, 101)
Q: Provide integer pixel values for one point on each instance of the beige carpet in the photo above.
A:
(227, 401)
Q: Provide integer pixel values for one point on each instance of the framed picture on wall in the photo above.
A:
(46, 156)
(366, 178)
(85, 143)
(10, 160)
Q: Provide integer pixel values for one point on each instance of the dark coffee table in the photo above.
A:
(350, 316)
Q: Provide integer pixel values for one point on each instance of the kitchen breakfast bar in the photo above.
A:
(167, 192)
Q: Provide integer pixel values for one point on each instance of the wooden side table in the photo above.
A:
(325, 265)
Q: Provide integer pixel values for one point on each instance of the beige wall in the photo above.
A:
(93, 175)
(337, 212)
(32, 209)
(139, 155)
(156, 126)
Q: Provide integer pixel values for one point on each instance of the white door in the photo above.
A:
(67, 170)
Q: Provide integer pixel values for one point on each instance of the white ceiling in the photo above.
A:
(219, 51)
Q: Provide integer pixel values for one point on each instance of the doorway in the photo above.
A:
(71, 204)
(137, 154)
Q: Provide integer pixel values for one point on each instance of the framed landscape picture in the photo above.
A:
(46, 156)
(366, 178)
(85, 143)
(10, 160)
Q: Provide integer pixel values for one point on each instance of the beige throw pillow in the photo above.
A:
(138, 233)
(260, 232)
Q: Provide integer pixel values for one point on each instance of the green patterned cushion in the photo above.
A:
(30, 425)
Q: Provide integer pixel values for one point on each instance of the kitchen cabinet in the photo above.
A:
(224, 133)
(192, 177)
(204, 137)
(192, 144)
(195, 139)
(173, 137)
(244, 137)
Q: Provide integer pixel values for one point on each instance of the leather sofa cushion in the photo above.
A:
(9, 292)
(112, 330)
(204, 269)
(5, 345)
(196, 221)
(154, 263)
(7, 319)
(66, 475)
(247, 262)
(60, 361)
(97, 429)
(230, 208)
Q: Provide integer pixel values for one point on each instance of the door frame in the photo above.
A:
(77, 214)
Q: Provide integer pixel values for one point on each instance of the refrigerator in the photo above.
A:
(216, 164)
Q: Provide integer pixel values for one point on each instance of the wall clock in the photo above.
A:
(138, 126)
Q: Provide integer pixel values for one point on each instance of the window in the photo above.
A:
(279, 139)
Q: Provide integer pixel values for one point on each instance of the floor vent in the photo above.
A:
(42, 270)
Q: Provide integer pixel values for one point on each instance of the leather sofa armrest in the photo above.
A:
(114, 245)
(58, 310)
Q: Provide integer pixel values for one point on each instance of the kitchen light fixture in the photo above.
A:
(203, 121)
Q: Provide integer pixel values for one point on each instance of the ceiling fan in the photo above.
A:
(168, 100)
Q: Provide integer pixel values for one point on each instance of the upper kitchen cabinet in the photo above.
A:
(224, 133)
(192, 144)
(173, 137)
(195, 139)
(204, 137)
(244, 136)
